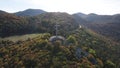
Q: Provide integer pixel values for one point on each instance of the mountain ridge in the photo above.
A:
(106, 25)
(30, 12)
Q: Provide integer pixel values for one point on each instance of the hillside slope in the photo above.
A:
(87, 51)
(106, 25)
(11, 24)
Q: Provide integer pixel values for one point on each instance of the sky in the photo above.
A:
(103, 7)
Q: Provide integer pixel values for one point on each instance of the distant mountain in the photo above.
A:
(80, 14)
(1, 12)
(30, 12)
(79, 18)
(11, 24)
(94, 18)
(107, 25)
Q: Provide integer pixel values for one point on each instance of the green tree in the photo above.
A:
(71, 40)
(109, 64)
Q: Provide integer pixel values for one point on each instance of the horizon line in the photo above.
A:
(56, 11)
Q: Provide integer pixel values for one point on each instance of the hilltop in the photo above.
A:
(30, 12)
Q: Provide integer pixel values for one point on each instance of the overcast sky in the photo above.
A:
(108, 7)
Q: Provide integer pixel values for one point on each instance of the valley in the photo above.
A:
(106, 25)
(20, 37)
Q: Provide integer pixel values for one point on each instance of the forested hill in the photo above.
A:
(81, 49)
(11, 24)
(106, 25)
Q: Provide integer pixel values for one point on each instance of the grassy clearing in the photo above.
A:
(20, 37)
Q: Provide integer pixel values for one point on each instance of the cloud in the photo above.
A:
(71, 6)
